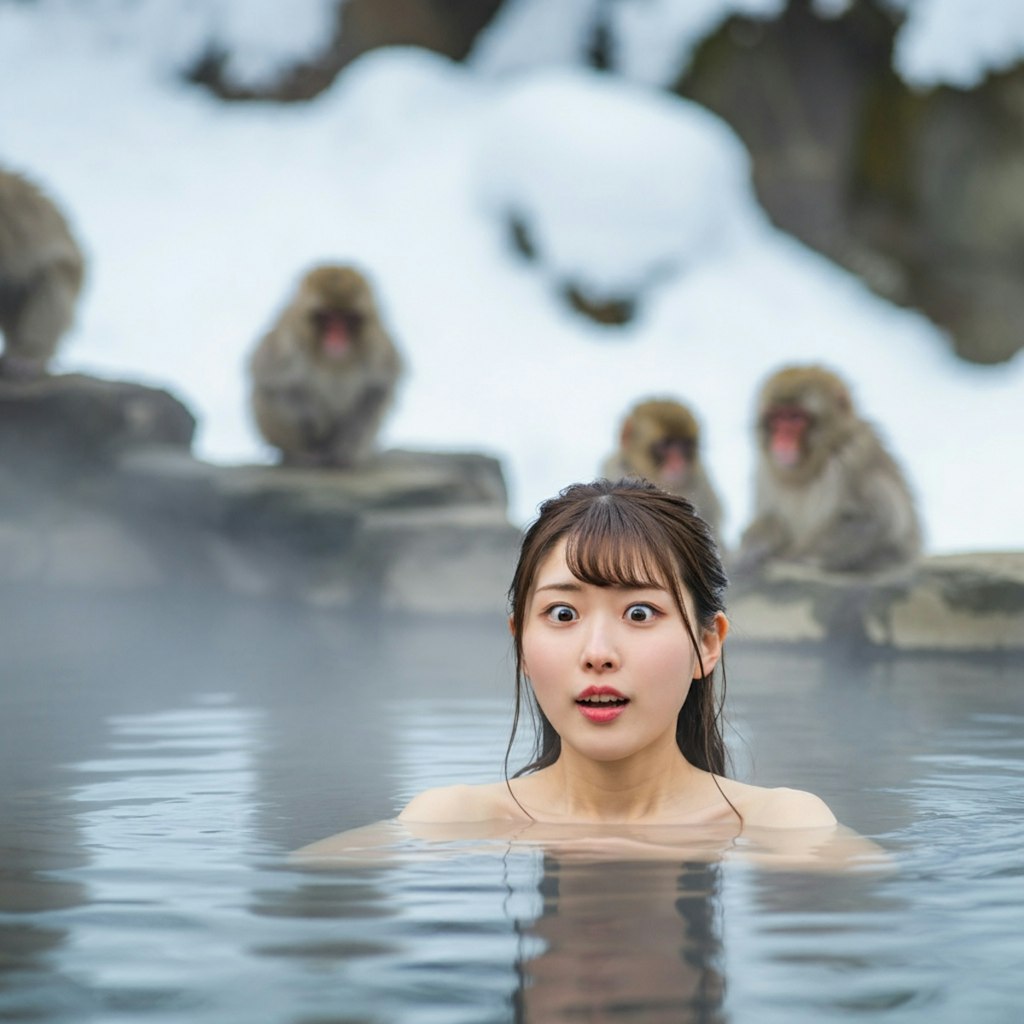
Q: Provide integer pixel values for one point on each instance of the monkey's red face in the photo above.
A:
(673, 456)
(785, 427)
(336, 331)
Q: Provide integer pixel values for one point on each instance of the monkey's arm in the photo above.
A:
(852, 542)
(351, 436)
(876, 528)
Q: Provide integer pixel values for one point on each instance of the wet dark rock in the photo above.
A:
(101, 492)
(55, 423)
(966, 602)
(916, 191)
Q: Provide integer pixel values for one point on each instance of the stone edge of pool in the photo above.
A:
(102, 495)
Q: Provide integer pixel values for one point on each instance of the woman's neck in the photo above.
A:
(654, 786)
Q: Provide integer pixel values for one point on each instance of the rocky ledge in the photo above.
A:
(968, 602)
(100, 494)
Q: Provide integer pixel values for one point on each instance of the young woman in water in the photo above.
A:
(619, 624)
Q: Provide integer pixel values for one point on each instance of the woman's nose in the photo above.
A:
(600, 653)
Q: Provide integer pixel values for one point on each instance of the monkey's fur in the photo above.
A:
(41, 272)
(660, 441)
(827, 491)
(324, 376)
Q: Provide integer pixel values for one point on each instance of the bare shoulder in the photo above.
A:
(794, 808)
(778, 808)
(448, 804)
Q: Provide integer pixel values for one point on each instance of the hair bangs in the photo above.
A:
(610, 547)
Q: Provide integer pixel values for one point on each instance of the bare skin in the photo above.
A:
(823, 847)
(557, 796)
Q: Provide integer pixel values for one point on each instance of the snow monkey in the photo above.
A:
(660, 442)
(41, 271)
(325, 374)
(827, 491)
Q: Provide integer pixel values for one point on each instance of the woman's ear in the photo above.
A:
(512, 625)
(711, 643)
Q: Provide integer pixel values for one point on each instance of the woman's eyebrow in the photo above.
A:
(567, 587)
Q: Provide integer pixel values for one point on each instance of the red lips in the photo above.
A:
(601, 711)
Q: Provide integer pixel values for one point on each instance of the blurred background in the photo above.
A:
(563, 207)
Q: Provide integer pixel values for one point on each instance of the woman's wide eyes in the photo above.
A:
(634, 613)
(562, 613)
(640, 613)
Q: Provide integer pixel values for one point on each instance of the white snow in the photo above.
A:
(619, 184)
(258, 38)
(652, 39)
(958, 42)
(198, 216)
(953, 42)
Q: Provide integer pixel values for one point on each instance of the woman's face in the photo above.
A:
(610, 666)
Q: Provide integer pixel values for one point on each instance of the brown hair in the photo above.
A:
(629, 533)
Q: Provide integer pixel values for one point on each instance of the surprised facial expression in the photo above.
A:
(610, 666)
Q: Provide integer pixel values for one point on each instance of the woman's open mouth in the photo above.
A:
(601, 704)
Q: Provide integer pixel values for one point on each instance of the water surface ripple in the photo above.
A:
(153, 790)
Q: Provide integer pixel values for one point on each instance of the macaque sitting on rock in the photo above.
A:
(325, 374)
(660, 442)
(827, 491)
(41, 271)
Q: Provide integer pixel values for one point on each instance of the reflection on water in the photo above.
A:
(626, 941)
(157, 763)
